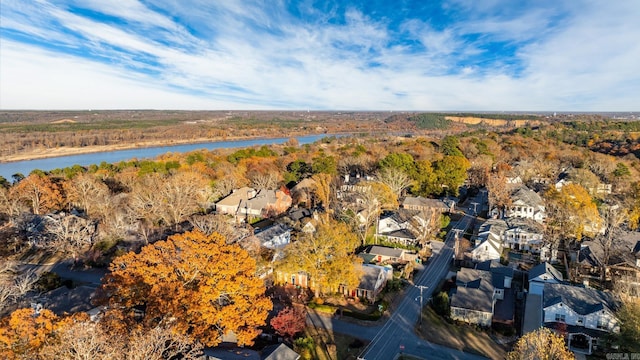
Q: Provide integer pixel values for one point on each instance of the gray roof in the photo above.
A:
(279, 352)
(580, 299)
(476, 279)
(425, 202)
(385, 251)
(402, 234)
(369, 278)
(625, 247)
(524, 224)
(473, 299)
(495, 267)
(527, 196)
(543, 268)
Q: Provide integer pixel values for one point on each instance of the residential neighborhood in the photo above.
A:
(356, 255)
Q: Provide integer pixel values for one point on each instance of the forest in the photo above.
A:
(152, 224)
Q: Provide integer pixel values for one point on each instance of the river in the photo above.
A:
(25, 167)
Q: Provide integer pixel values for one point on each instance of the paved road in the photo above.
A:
(89, 276)
(397, 333)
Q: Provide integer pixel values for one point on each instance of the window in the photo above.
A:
(602, 323)
(580, 320)
(560, 318)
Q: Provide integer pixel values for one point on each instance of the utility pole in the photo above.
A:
(421, 300)
(475, 209)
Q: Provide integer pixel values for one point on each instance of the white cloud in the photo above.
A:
(586, 62)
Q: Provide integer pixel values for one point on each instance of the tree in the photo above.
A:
(396, 179)
(613, 216)
(322, 186)
(499, 192)
(39, 192)
(88, 193)
(289, 322)
(186, 283)
(326, 256)
(25, 332)
(629, 316)
(450, 146)
(71, 234)
(181, 195)
(399, 161)
(452, 172)
(542, 344)
(576, 213)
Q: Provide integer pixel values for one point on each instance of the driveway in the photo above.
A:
(532, 313)
(63, 269)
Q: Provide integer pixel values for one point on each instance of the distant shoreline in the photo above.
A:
(44, 153)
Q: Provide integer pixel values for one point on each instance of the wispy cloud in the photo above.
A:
(454, 55)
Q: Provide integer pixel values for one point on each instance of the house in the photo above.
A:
(251, 202)
(623, 259)
(382, 254)
(372, 281)
(488, 242)
(279, 352)
(402, 236)
(274, 237)
(228, 352)
(420, 203)
(585, 314)
(523, 234)
(483, 295)
(526, 203)
(541, 274)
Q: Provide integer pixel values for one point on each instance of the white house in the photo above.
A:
(488, 243)
(542, 274)
(526, 203)
(587, 314)
(523, 234)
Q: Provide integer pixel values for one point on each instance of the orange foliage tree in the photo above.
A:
(199, 285)
(24, 332)
(39, 192)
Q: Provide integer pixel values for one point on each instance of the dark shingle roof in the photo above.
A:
(477, 279)
(581, 299)
(385, 251)
(369, 278)
(543, 268)
(473, 299)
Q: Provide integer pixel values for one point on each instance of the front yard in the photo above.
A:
(463, 337)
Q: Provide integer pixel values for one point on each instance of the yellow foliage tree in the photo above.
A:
(326, 256)
(573, 211)
(199, 285)
(542, 344)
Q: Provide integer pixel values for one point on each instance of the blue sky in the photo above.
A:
(489, 55)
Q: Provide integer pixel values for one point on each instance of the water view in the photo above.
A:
(25, 167)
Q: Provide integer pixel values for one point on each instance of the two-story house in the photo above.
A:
(257, 203)
(488, 241)
(585, 314)
(541, 274)
(526, 203)
(483, 295)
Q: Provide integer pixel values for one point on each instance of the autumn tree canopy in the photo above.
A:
(187, 282)
(326, 256)
(542, 344)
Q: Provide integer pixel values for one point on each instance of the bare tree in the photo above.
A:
(71, 234)
(88, 193)
(218, 223)
(264, 181)
(614, 216)
(181, 195)
(396, 179)
(161, 343)
(10, 205)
